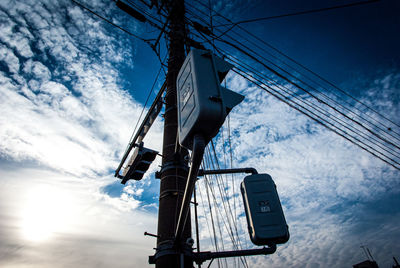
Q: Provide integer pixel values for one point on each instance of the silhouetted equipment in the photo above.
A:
(201, 28)
(200, 257)
(396, 263)
(370, 263)
(138, 164)
(203, 172)
(196, 106)
(203, 103)
(131, 11)
(144, 127)
(265, 218)
(150, 234)
(366, 264)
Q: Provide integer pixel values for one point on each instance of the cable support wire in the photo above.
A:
(219, 177)
(225, 166)
(226, 186)
(228, 225)
(233, 177)
(223, 193)
(206, 183)
(216, 205)
(218, 212)
(213, 242)
(267, 45)
(233, 192)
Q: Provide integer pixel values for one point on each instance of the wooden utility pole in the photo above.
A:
(174, 169)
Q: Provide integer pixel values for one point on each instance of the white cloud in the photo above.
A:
(7, 56)
(63, 107)
(65, 110)
(83, 229)
(81, 127)
(325, 182)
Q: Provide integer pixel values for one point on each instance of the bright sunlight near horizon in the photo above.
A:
(47, 210)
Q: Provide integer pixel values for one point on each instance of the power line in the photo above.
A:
(237, 62)
(144, 106)
(340, 113)
(313, 116)
(110, 22)
(224, 195)
(299, 13)
(210, 163)
(294, 61)
(245, 52)
(297, 85)
(204, 213)
(319, 119)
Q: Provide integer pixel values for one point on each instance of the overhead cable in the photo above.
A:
(296, 62)
(342, 114)
(110, 22)
(299, 13)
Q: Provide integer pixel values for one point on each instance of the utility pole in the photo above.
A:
(198, 123)
(174, 169)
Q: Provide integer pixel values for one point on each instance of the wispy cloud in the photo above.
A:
(64, 106)
(330, 189)
(53, 219)
(64, 109)
(65, 112)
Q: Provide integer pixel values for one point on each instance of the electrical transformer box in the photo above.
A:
(202, 102)
(265, 219)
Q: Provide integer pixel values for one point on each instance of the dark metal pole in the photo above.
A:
(203, 172)
(174, 169)
(204, 256)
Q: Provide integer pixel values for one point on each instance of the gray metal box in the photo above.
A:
(265, 219)
(203, 103)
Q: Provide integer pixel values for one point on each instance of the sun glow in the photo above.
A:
(47, 210)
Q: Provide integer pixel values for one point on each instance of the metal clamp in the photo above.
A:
(170, 248)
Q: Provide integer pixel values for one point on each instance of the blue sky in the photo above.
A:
(72, 88)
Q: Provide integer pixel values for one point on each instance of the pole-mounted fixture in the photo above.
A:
(203, 103)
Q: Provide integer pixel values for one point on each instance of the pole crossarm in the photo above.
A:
(227, 171)
(144, 127)
(201, 257)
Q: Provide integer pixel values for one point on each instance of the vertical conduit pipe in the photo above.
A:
(197, 156)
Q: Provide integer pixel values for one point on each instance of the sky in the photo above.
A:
(72, 88)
